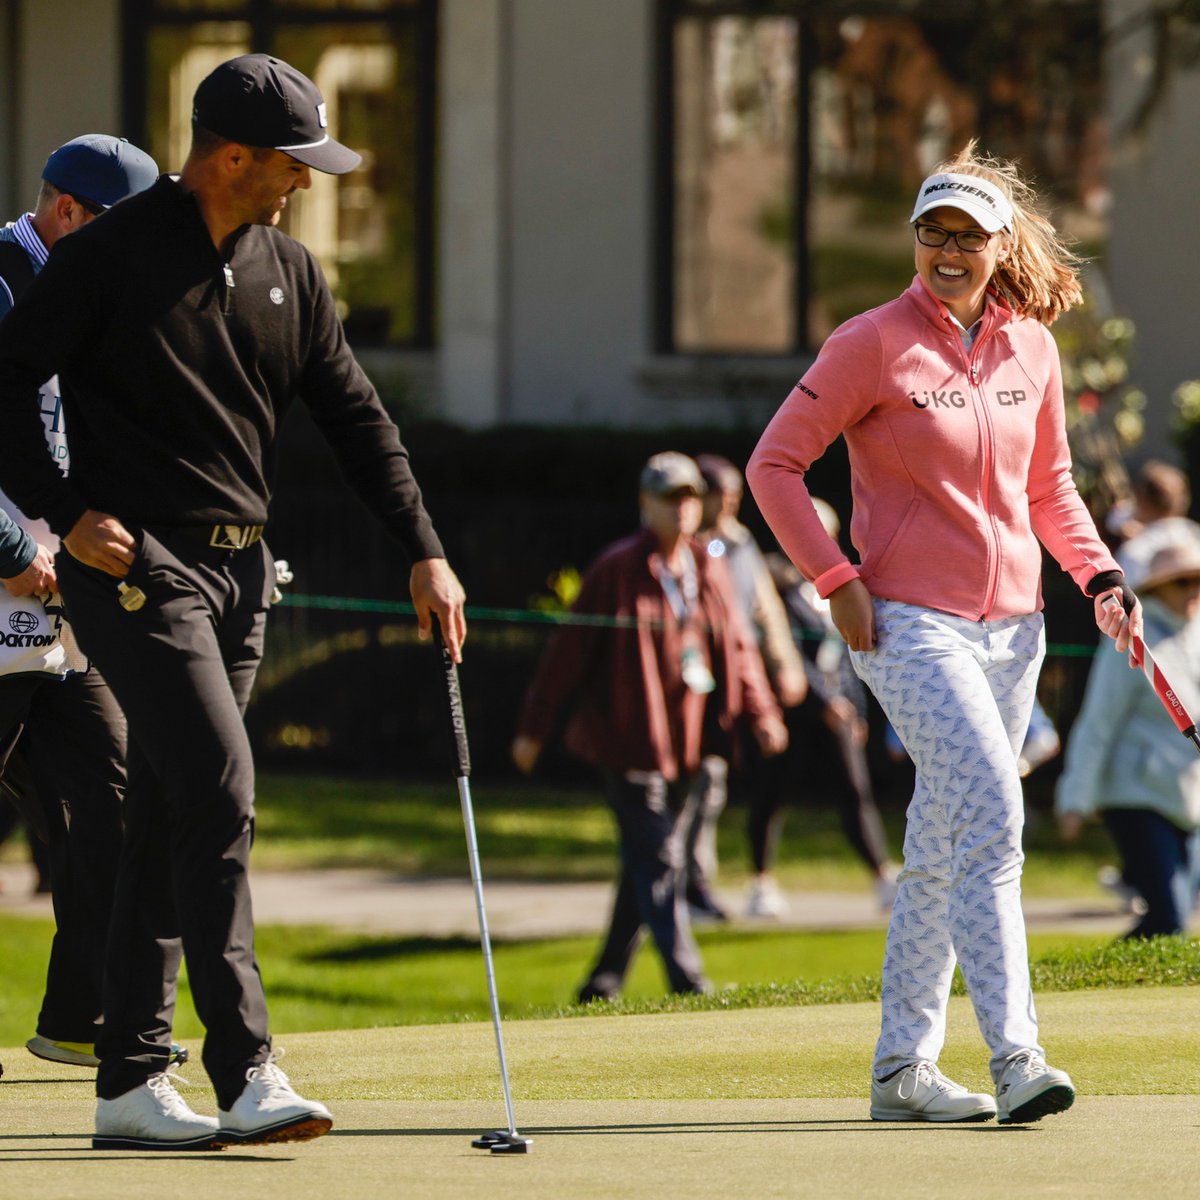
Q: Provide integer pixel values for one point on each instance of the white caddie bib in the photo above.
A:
(35, 635)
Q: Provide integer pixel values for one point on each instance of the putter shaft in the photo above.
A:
(464, 795)
(498, 1142)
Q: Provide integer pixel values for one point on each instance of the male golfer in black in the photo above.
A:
(181, 325)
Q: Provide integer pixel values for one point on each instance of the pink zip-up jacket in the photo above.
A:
(959, 462)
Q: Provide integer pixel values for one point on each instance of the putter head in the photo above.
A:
(503, 1141)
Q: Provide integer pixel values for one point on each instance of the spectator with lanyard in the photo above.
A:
(183, 325)
(673, 667)
(62, 735)
(950, 400)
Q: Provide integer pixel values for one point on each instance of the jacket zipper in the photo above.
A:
(987, 467)
(227, 293)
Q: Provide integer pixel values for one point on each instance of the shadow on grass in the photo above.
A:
(41, 1081)
(660, 1128)
(377, 949)
(383, 949)
(85, 1153)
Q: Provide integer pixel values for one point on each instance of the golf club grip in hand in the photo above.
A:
(1140, 656)
(459, 748)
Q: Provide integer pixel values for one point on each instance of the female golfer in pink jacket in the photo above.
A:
(950, 400)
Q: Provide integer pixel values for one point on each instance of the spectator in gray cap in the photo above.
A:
(62, 735)
(673, 662)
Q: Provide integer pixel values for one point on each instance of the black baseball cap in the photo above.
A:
(258, 100)
(100, 169)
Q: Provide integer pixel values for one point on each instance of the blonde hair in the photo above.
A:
(1039, 276)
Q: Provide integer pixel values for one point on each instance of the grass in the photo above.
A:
(538, 831)
(764, 1103)
(320, 978)
(757, 1090)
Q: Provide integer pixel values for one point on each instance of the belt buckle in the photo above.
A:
(234, 537)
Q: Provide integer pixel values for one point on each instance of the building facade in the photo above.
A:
(648, 212)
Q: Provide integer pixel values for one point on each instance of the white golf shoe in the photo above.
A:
(766, 900)
(1029, 1090)
(153, 1116)
(920, 1092)
(269, 1110)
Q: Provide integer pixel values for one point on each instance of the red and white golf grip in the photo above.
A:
(1141, 657)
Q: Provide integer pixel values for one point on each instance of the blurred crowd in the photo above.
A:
(732, 681)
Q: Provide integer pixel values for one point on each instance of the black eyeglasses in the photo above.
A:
(87, 205)
(970, 240)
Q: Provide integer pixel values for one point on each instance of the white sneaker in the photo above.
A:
(268, 1110)
(1029, 1090)
(766, 900)
(153, 1116)
(922, 1093)
(1112, 881)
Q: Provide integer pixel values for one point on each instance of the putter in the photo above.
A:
(1140, 656)
(498, 1141)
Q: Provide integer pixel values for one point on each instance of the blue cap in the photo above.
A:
(100, 168)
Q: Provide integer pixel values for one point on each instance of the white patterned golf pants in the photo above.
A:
(959, 694)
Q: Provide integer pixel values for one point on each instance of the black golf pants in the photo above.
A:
(71, 754)
(182, 667)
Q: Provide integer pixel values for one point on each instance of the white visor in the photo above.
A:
(972, 194)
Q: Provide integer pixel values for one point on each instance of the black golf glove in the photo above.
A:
(1106, 581)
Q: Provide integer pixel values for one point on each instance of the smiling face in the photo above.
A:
(958, 278)
(266, 182)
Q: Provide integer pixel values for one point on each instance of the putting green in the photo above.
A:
(754, 1103)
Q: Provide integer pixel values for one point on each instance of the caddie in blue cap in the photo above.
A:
(59, 723)
(80, 180)
(99, 170)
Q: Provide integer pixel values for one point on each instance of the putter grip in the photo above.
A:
(459, 749)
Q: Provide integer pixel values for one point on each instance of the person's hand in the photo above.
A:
(791, 687)
(771, 735)
(525, 753)
(840, 714)
(99, 540)
(1114, 621)
(37, 578)
(436, 591)
(1070, 825)
(853, 613)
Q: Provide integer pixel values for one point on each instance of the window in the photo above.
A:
(794, 135)
(372, 60)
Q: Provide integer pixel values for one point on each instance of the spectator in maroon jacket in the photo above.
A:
(675, 666)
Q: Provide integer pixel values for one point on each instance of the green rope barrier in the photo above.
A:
(532, 616)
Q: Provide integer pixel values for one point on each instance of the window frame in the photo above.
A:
(667, 13)
(140, 17)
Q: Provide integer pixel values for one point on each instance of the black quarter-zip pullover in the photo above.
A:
(177, 366)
